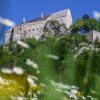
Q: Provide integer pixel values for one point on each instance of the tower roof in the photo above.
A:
(38, 19)
(61, 13)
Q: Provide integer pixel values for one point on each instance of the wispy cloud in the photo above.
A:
(96, 15)
(7, 22)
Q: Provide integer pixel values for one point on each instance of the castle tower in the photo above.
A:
(42, 15)
(23, 21)
(63, 16)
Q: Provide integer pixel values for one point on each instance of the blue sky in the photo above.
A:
(15, 10)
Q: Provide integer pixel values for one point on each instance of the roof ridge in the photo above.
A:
(38, 19)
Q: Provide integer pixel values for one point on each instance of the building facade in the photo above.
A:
(34, 28)
(93, 35)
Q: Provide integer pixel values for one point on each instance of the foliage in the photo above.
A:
(85, 23)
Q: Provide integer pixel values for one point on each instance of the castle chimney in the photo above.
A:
(42, 15)
(23, 20)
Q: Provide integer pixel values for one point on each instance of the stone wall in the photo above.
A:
(96, 35)
(93, 35)
(35, 28)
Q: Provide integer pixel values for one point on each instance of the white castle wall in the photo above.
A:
(93, 35)
(96, 35)
(35, 28)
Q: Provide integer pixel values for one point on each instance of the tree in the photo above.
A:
(85, 24)
(62, 50)
(32, 42)
(90, 24)
(84, 71)
(98, 26)
(74, 29)
(85, 17)
(79, 23)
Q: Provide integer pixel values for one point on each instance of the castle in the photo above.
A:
(93, 35)
(34, 28)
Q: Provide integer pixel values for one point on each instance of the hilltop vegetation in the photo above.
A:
(86, 24)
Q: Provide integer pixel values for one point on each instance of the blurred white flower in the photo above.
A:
(73, 87)
(34, 99)
(38, 92)
(59, 90)
(55, 57)
(34, 95)
(91, 98)
(23, 44)
(86, 47)
(33, 77)
(73, 94)
(7, 22)
(6, 70)
(20, 98)
(31, 81)
(38, 72)
(1, 80)
(60, 85)
(18, 70)
(71, 91)
(94, 92)
(31, 63)
(96, 15)
(84, 98)
(42, 84)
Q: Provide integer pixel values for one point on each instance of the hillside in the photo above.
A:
(61, 67)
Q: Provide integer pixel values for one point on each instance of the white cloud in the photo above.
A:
(96, 15)
(7, 22)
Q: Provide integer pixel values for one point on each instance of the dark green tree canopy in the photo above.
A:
(85, 17)
(85, 24)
